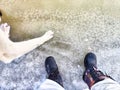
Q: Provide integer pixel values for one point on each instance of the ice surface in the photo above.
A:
(79, 28)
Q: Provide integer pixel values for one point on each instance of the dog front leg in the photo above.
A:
(26, 46)
(18, 49)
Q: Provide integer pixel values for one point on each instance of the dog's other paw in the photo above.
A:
(5, 28)
(49, 34)
(0, 14)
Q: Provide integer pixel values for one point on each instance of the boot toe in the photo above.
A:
(50, 65)
(90, 60)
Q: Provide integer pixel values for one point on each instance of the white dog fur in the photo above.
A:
(10, 50)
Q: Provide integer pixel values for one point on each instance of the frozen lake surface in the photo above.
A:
(79, 28)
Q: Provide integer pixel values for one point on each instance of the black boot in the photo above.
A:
(52, 70)
(91, 74)
(90, 61)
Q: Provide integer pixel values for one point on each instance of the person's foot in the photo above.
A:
(91, 74)
(52, 70)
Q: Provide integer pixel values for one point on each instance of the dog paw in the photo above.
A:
(49, 34)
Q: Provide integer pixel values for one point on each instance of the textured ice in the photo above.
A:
(78, 30)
